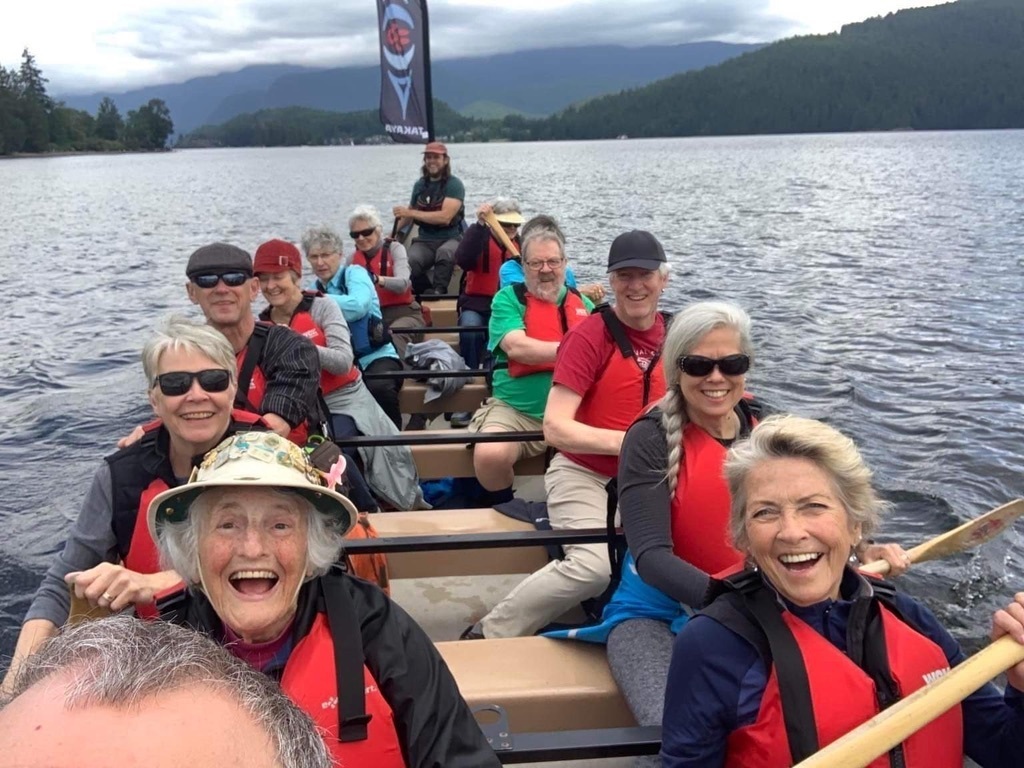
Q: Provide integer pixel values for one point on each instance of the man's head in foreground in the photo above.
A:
(134, 693)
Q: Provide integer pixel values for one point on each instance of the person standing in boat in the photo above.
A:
(437, 206)
(481, 254)
(388, 264)
(801, 648)
(605, 374)
(255, 535)
(108, 556)
(352, 289)
(353, 411)
(527, 323)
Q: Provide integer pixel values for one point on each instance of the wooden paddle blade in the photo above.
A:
(499, 232)
(887, 729)
(971, 534)
(83, 610)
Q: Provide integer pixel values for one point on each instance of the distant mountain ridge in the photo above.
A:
(948, 67)
(535, 83)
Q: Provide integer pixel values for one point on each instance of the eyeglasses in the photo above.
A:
(177, 383)
(508, 225)
(536, 266)
(356, 234)
(730, 365)
(231, 279)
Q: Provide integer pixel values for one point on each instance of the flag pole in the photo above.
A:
(428, 87)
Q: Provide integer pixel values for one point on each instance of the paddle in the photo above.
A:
(887, 729)
(967, 536)
(499, 232)
(83, 610)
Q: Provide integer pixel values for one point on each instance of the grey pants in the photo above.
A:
(403, 316)
(639, 652)
(439, 254)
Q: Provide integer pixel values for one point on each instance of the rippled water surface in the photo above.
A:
(884, 272)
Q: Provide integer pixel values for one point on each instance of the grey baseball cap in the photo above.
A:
(218, 257)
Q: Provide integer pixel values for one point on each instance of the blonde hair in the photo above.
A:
(794, 437)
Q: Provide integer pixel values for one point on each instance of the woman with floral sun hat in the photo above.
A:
(255, 534)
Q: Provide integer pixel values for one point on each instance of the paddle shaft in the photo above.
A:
(499, 232)
(972, 533)
(887, 729)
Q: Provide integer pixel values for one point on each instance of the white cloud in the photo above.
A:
(120, 44)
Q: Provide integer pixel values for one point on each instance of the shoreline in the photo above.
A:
(84, 153)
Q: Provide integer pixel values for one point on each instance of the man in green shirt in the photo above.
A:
(437, 206)
(528, 321)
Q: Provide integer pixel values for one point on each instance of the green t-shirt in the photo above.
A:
(454, 188)
(528, 394)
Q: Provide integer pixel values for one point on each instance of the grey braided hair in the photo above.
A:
(688, 328)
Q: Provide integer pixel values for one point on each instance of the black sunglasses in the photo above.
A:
(177, 383)
(731, 365)
(362, 232)
(231, 279)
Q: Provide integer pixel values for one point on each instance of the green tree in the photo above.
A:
(109, 123)
(35, 104)
(149, 126)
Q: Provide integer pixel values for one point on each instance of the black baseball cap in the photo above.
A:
(218, 258)
(636, 248)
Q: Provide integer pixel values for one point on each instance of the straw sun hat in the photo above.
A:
(260, 460)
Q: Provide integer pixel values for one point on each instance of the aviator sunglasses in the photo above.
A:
(730, 365)
(357, 233)
(231, 279)
(177, 383)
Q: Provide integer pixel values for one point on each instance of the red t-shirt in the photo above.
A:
(583, 356)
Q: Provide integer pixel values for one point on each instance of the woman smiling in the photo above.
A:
(109, 558)
(802, 648)
(254, 535)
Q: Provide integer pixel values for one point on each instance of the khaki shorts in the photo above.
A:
(498, 416)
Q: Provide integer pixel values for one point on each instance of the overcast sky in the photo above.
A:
(121, 44)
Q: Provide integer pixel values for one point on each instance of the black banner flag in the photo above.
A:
(405, 95)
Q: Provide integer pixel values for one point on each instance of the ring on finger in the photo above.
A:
(108, 597)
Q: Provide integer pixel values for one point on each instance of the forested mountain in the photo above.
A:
(299, 126)
(953, 66)
(531, 82)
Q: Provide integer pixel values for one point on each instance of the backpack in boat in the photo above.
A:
(372, 567)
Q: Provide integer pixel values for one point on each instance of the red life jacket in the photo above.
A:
(545, 321)
(310, 680)
(384, 267)
(135, 545)
(700, 507)
(482, 279)
(302, 322)
(619, 394)
(843, 696)
(258, 388)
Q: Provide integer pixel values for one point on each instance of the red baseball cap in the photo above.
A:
(435, 148)
(277, 256)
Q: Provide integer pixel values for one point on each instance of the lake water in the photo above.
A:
(884, 274)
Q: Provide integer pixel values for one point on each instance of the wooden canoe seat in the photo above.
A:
(463, 562)
(442, 311)
(543, 684)
(467, 398)
(456, 460)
